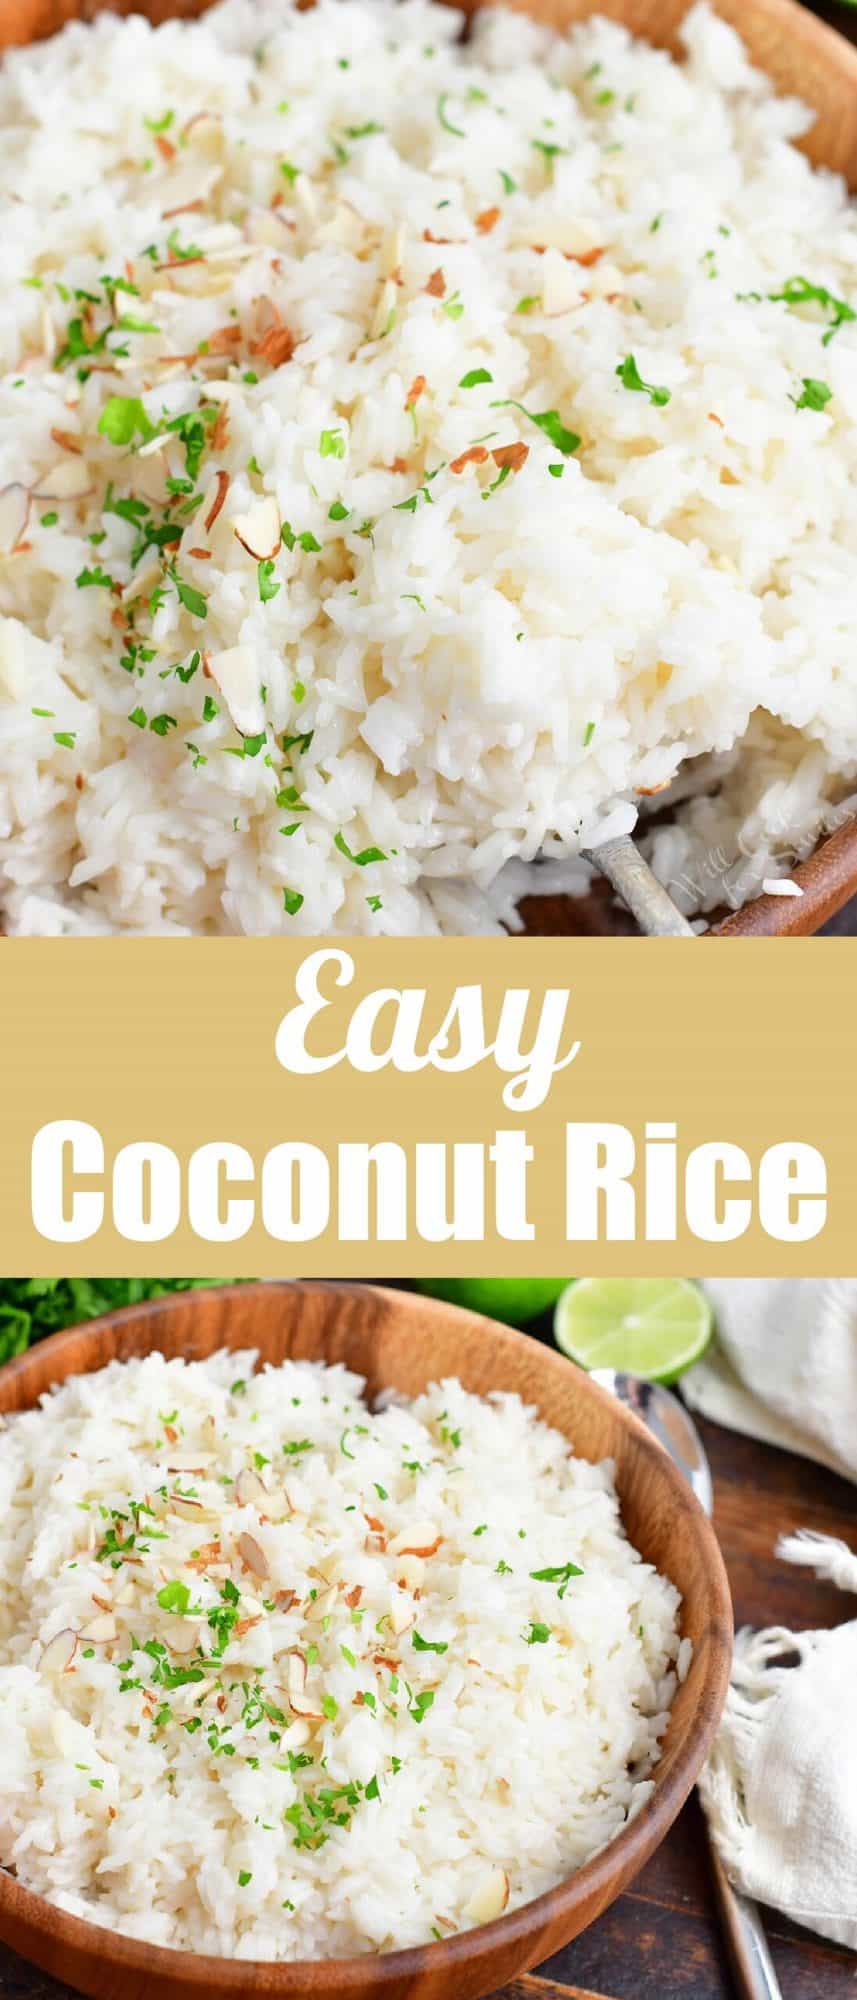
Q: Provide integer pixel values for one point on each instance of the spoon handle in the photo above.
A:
(747, 1945)
(640, 890)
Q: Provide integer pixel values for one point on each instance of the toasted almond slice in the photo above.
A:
(250, 1490)
(561, 289)
(296, 1733)
(300, 1702)
(101, 1630)
(258, 530)
(277, 1506)
(489, 1898)
(69, 479)
(410, 1570)
(236, 673)
(402, 1616)
(56, 1657)
(182, 1636)
(215, 499)
(14, 514)
(423, 1539)
(385, 306)
(297, 1671)
(252, 1555)
(189, 1461)
(322, 1605)
(191, 1510)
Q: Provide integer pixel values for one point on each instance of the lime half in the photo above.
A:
(655, 1327)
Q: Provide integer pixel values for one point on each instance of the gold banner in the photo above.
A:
(248, 1106)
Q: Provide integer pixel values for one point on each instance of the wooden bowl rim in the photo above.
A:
(600, 1878)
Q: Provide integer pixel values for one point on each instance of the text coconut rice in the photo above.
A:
(282, 1678)
(412, 452)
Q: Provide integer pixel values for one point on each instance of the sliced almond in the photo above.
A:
(421, 1540)
(277, 1506)
(191, 1510)
(69, 479)
(101, 1630)
(250, 1490)
(56, 1657)
(384, 308)
(322, 1605)
(297, 1671)
(300, 1702)
(236, 673)
(296, 1734)
(182, 1636)
(410, 1570)
(252, 1555)
(189, 1461)
(561, 289)
(215, 499)
(489, 1898)
(402, 1616)
(14, 514)
(258, 530)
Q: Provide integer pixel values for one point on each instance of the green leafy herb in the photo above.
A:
(365, 856)
(473, 378)
(801, 291)
(560, 1575)
(814, 395)
(121, 419)
(446, 122)
(268, 585)
(548, 421)
(630, 378)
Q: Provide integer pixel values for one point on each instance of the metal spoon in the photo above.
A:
(640, 890)
(670, 1425)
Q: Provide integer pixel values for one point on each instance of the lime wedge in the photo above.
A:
(655, 1327)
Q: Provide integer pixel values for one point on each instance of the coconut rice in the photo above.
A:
(277, 1678)
(412, 454)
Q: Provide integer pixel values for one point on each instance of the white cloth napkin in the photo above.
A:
(780, 1788)
(783, 1366)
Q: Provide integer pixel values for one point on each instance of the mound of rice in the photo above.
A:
(412, 453)
(276, 1677)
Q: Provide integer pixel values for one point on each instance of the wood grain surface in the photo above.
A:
(401, 1340)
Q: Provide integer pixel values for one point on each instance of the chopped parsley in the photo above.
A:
(447, 124)
(561, 1574)
(800, 291)
(365, 856)
(548, 421)
(814, 395)
(630, 378)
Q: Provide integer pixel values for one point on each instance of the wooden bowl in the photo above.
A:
(803, 57)
(401, 1340)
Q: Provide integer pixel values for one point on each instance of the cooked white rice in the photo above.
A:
(468, 1733)
(476, 668)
